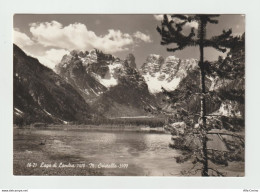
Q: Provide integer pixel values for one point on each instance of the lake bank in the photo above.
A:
(128, 128)
(69, 152)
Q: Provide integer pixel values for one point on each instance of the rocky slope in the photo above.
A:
(76, 68)
(225, 98)
(129, 98)
(40, 95)
(93, 73)
(167, 73)
(112, 86)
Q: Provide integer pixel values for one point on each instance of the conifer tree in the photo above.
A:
(171, 31)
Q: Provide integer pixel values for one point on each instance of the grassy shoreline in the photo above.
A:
(131, 128)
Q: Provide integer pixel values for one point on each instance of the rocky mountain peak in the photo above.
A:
(167, 73)
(130, 59)
(94, 72)
(155, 58)
(90, 58)
(152, 64)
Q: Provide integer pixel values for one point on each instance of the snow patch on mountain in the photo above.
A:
(110, 79)
(47, 112)
(228, 109)
(167, 73)
(18, 112)
(64, 122)
(107, 82)
(89, 58)
(155, 85)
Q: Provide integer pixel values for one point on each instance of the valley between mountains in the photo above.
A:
(91, 85)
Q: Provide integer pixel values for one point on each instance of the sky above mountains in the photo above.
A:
(48, 36)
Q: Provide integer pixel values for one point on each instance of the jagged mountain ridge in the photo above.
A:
(114, 87)
(120, 90)
(40, 95)
(167, 73)
(93, 73)
(73, 68)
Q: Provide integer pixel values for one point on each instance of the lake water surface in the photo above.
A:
(145, 154)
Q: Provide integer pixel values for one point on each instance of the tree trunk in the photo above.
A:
(203, 103)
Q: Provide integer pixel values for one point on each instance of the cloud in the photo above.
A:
(21, 39)
(114, 41)
(50, 41)
(77, 36)
(142, 36)
(158, 17)
(176, 20)
(52, 57)
(192, 24)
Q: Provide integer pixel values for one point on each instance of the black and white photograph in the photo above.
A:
(129, 95)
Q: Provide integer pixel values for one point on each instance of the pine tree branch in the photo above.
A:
(220, 42)
(196, 171)
(170, 32)
(179, 16)
(218, 172)
(229, 134)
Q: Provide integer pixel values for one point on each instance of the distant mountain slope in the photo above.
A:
(225, 88)
(112, 86)
(40, 95)
(129, 98)
(76, 68)
(167, 73)
(93, 72)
